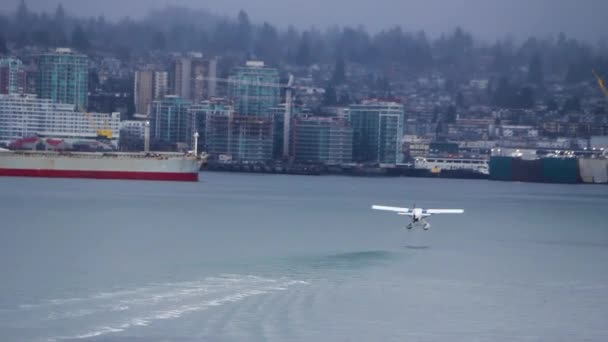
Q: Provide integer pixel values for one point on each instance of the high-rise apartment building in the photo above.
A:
(169, 120)
(182, 77)
(254, 89)
(378, 130)
(63, 77)
(161, 84)
(239, 137)
(194, 77)
(211, 77)
(143, 91)
(199, 112)
(322, 140)
(149, 86)
(12, 76)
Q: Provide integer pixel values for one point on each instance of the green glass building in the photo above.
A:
(198, 114)
(239, 137)
(170, 120)
(63, 77)
(377, 132)
(12, 76)
(322, 140)
(254, 89)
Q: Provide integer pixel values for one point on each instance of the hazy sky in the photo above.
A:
(488, 19)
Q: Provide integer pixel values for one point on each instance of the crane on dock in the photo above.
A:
(104, 132)
(601, 83)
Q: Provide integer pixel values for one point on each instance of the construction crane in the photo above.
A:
(259, 84)
(287, 118)
(101, 132)
(601, 83)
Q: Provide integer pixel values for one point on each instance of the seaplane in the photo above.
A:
(418, 215)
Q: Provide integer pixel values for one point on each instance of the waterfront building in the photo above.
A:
(241, 138)
(254, 89)
(322, 140)
(198, 114)
(23, 116)
(12, 76)
(133, 128)
(377, 132)
(63, 77)
(169, 120)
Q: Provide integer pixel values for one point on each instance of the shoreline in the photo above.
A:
(366, 172)
(342, 170)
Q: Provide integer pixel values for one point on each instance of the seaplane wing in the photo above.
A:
(444, 211)
(398, 210)
(418, 216)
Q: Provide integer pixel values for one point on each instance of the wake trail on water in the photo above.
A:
(116, 311)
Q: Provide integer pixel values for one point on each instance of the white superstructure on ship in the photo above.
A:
(437, 164)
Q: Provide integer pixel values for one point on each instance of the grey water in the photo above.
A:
(244, 257)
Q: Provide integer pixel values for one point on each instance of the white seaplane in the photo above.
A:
(418, 215)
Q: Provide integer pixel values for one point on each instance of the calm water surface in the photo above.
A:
(287, 258)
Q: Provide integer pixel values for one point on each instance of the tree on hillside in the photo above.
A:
(339, 76)
(436, 111)
(56, 29)
(525, 98)
(450, 116)
(221, 38)
(552, 105)
(330, 98)
(383, 85)
(578, 72)
(572, 104)
(455, 48)
(60, 15)
(23, 13)
(22, 23)
(460, 99)
(23, 39)
(94, 81)
(4, 23)
(290, 40)
(267, 46)
(79, 39)
(41, 37)
(303, 55)
(345, 99)
(535, 71)
(158, 41)
(392, 51)
(203, 41)
(244, 32)
(507, 95)
(3, 48)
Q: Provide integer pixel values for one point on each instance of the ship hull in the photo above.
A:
(544, 170)
(129, 175)
(165, 167)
